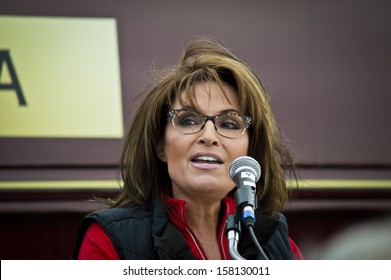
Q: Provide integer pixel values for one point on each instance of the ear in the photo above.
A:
(160, 151)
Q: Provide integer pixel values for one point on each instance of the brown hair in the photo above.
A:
(204, 59)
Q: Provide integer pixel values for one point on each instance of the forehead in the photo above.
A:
(209, 97)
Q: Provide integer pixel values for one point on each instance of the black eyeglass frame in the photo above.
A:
(171, 114)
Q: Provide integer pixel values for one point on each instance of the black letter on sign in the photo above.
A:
(5, 59)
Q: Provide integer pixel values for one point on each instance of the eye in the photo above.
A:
(185, 118)
(229, 122)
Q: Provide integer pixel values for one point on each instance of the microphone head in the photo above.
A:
(245, 161)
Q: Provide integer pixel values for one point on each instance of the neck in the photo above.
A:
(204, 221)
(203, 218)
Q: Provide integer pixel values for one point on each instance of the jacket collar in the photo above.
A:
(171, 230)
(168, 241)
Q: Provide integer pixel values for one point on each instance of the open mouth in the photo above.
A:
(206, 159)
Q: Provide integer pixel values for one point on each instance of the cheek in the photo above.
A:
(174, 148)
(175, 154)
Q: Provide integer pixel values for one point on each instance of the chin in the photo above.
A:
(212, 189)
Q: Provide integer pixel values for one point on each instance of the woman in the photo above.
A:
(198, 117)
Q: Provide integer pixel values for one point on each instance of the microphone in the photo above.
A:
(245, 172)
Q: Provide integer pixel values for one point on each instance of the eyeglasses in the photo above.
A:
(228, 124)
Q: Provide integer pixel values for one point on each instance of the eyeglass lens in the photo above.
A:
(227, 124)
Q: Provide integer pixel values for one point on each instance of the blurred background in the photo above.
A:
(325, 64)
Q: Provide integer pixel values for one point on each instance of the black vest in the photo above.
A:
(148, 234)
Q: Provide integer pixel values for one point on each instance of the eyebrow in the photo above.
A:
(192, 109)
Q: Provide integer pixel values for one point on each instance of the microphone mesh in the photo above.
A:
(245, 161)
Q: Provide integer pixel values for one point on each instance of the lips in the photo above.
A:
(207, 158)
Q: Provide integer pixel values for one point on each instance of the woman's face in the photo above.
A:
(198, 164)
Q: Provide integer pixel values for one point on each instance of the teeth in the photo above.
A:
(205, 158)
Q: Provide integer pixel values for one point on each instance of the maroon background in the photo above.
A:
(325, 64)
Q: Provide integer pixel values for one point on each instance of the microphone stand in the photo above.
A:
(245, 201)
(233, 232)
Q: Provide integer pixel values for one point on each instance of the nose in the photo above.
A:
(208, 134)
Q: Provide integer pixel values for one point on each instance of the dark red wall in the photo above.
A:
(325, 64)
